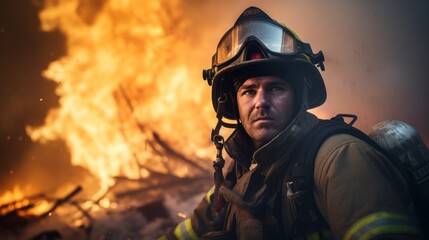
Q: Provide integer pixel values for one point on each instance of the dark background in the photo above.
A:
(25, 96)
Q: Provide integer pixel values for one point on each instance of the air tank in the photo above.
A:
(402, 141)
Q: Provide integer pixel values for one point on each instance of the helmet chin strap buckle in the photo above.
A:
(208, 75)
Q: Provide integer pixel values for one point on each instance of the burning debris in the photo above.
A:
(129, 209)
(18, 214)
(139, 201)
(121, 115)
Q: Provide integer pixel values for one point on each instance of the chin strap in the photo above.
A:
(218, 200)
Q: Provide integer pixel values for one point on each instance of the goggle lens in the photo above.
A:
(274, 37)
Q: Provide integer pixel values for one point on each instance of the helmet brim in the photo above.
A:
(268, 67)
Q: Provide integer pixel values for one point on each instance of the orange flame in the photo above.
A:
(124, 81)
(15, 200)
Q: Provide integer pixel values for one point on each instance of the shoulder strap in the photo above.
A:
(307, 218)
(320, 133)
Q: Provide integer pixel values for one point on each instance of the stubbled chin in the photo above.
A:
(264, 135)
(266, 127)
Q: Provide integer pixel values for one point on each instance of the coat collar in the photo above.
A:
(240, 148)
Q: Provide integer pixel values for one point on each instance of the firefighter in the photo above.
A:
(264, 79)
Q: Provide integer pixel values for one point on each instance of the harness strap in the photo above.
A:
(305, 216)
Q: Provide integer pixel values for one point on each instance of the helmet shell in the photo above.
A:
(297, 65)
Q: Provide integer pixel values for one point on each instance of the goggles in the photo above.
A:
(275, 38)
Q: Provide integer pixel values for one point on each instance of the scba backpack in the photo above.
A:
(307, 219)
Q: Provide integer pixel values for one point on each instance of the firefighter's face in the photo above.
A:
(265, 105)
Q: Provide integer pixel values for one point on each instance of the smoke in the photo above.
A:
(375, 52)
(375, 60)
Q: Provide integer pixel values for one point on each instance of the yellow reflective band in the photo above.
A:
(380, 223)
(326, 234)
(210, 193)
(313, 236)
(389, 230)
(184, 231)
(163, 238)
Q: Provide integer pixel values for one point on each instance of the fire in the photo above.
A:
(39, 208)
(131, 97)
(16, 200)
(12, 197)
(126, 87)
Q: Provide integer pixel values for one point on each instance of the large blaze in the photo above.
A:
(131, 99)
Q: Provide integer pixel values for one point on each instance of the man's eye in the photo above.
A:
(276, 89)
(248, 92)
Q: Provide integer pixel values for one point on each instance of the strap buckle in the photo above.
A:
(291, 193)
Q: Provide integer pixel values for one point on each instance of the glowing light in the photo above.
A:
(13, 195)
(124, 79)
(41, 207)
(105, 203)
(127, 89)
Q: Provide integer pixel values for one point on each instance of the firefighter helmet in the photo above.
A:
(255, 46)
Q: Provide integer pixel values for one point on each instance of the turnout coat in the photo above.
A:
(357, 191)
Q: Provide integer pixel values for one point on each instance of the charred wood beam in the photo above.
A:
(61, 201)
(85, 213)
(170, 151)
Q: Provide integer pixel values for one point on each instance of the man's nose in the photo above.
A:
(261, 99)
